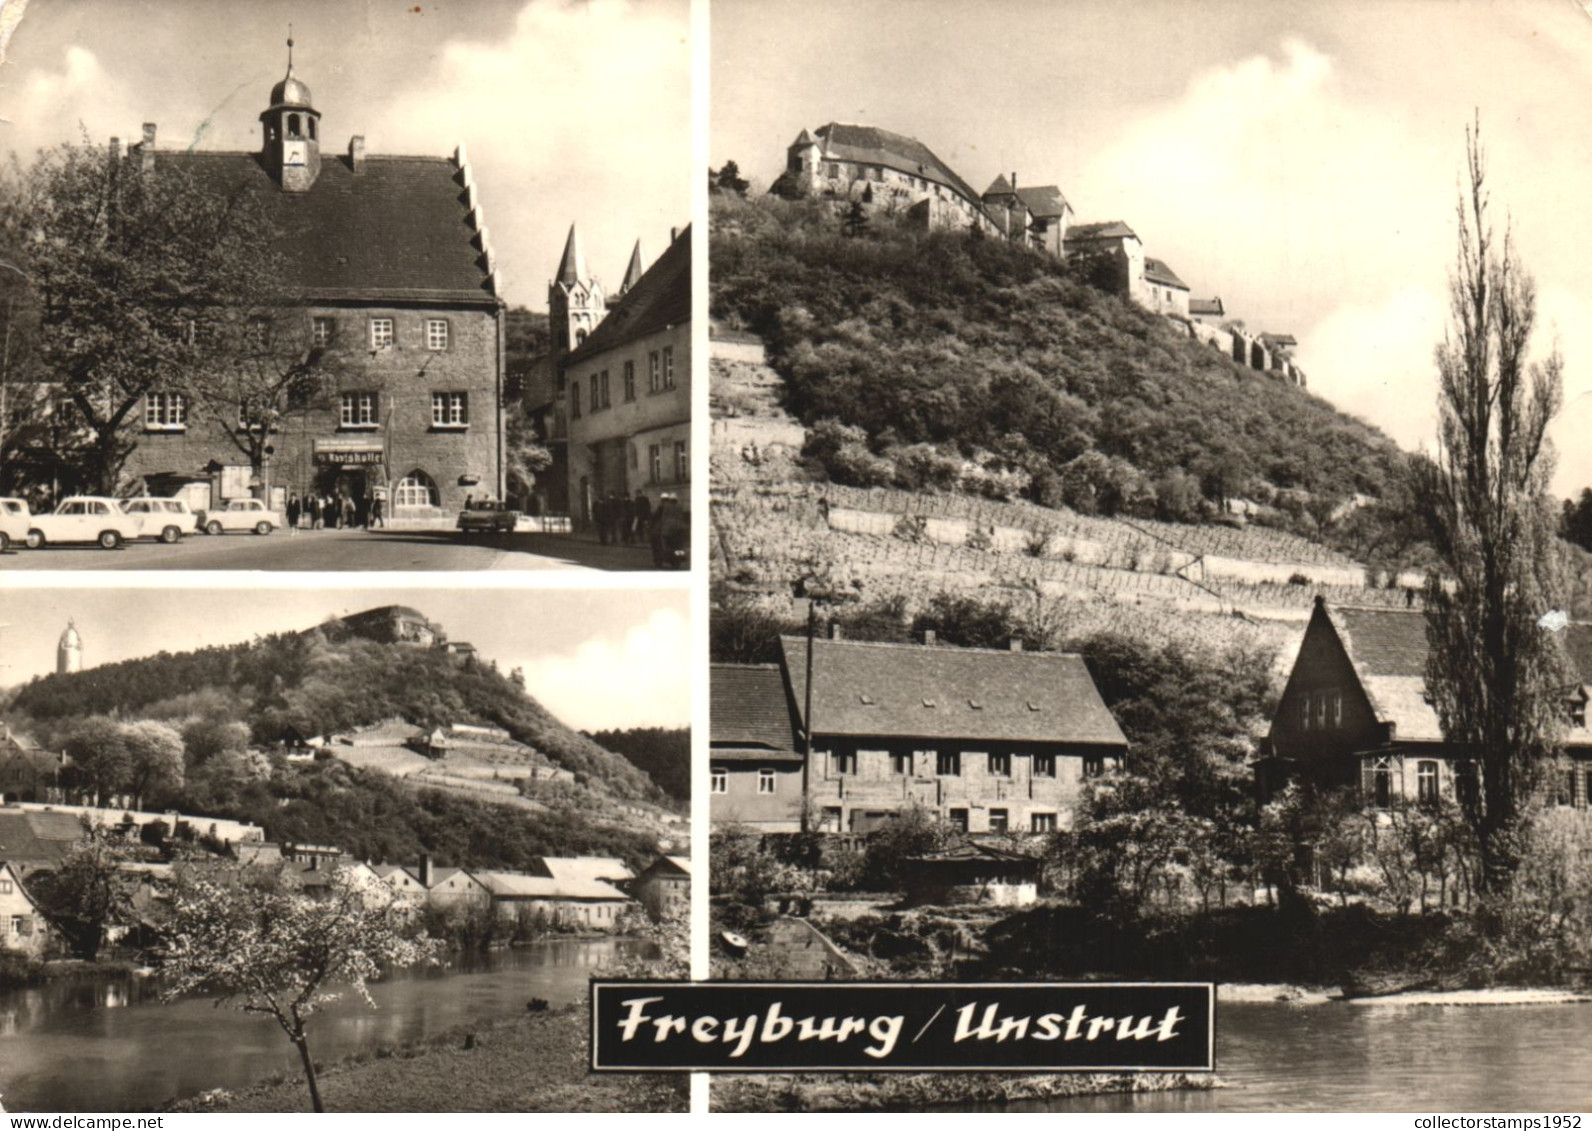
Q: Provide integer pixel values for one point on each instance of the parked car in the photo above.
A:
(165, 519)
(14, 516)
(84, 518)
(241, 514)
(489, 516)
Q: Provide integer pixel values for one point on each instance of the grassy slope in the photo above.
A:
(974, 343)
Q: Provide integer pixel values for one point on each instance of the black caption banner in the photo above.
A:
(902, 1026)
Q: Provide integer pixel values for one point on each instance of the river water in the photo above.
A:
(106, 1045)
(1339, 1057)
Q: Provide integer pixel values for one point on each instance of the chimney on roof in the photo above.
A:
(834, 630)
(1017, 644)
(356, 153)
(426, 871)
(929, 637)
(1014, 181)
(674, 234)
(146, 148)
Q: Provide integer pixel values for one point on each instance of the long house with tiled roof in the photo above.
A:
(1355, 713)
(989, 741)
(394, 263)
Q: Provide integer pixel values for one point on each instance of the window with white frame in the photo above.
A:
(948, 763)
(1042, 822)
(382, 333)
(668, 367)
(436, 334)
(1000, 765)
(602, 384)
(1337, 708)
(450, 410)
(357, 410)
(654, 372)
(655, 463)
(630, 380)
(999, 820)
(682, 462)
(720, 780)
(765, 781)
(845, 762)
(900, 762)
(1044, 765)
(322, 330)
(5, 887)
(165, 412)
(1426, 783)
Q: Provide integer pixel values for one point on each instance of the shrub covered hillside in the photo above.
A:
(912, 355)
(321, 681)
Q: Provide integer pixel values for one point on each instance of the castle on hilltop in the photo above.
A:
(880, 171)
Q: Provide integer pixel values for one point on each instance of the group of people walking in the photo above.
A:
(622, 520)
(327, 512)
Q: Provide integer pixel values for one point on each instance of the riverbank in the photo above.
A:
(926, 1092)
(533, 1063)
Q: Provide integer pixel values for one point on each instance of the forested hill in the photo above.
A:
(948, 351)
(321, 681)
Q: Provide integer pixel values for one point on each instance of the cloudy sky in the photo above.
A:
(598, 659)
(1299, 159)
(571, 110)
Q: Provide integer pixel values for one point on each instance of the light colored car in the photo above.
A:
(14, 516)
(241, 514)
(165, 519)
(488, 516)
(84, 518)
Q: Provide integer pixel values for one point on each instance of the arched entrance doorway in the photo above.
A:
(414, 492)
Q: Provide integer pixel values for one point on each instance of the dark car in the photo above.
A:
(487, 516)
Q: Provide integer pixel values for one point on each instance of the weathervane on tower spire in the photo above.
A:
(290, 48)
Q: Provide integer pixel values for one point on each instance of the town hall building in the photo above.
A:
(393, 263)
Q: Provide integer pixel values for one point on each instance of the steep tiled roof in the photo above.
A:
(607, 868)
(749, 708)
(869, 145)
(863, 688)
(1044, 201)
(516, 885)
(1206, 306)
(37, 839)
(1000, 186)
(1388, 648)
(661, 298)
(1157, 271)
(1106, 230)
(397, 229)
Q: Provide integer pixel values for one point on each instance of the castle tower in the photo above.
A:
(290, 132)
(575, 300)
(69, 652)
(801, 163)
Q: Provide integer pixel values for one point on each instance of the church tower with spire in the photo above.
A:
(575, 300)
(69, 652)
(290, 132)
(633, 273)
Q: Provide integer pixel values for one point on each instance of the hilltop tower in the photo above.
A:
(69, 652)
(290, 132)
(575, 300)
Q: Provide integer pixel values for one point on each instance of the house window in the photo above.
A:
(654, 372)
(591, 393)
(358, 410)
(720, 781)
(682, 463)
(1566, 791)
(845, 762)
(957, 819)
(998, 820)
(574, 401)
(948, 763)
(655, 463)
(668, 367)
(1000, 765)
(165, 412)
(630, 380)
(829, 819)
(1321, 711)
(603, 385)
(1337, 708)
(1466, 788)
(1426, 783)
(381, 333)
(1042, 822)
(635, 457)
(765, 781)
(1044, 765)
(5, 887)
(900, 763)
(1093, 765)
(436, 334)
(322, 331)
(1304, 712)
(450, 410)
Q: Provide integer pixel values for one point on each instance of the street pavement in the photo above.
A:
(341, 550)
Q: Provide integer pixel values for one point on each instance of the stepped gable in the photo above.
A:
(397, 228)
(869, 145)
(867, 688)
(750, 713)
(661, 298)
